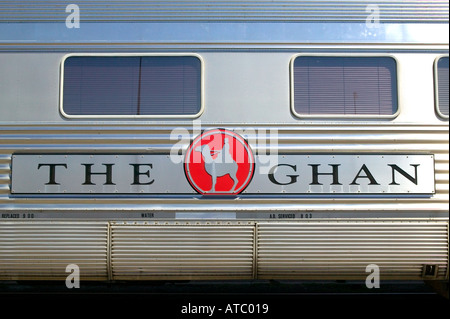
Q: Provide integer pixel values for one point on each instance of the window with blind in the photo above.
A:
(344, 86)
(132, 86)
(442, 86)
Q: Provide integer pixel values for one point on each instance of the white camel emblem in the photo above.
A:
(222, 165)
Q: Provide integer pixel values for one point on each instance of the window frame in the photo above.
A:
(159, 116)
(346, 116)
(436, 87)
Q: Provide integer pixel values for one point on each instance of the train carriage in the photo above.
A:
(186, 140)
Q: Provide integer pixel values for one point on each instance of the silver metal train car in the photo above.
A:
(167, 140)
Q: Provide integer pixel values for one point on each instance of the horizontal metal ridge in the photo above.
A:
(65, 140)
(155, 139)
(250, 10)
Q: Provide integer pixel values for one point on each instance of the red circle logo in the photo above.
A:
(219, 162)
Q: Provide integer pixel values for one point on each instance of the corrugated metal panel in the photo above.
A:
(253, 10)
(203, 251)
(5, 169)
(310, 250)
(376, 138)
(43, 250)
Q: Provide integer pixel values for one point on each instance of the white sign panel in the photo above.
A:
(153, 174)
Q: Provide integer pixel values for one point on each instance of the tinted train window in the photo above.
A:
(132, 86)
(344, 86)
(442, 87)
